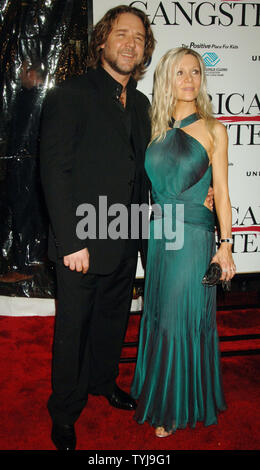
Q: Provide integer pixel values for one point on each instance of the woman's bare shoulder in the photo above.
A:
(220, 129)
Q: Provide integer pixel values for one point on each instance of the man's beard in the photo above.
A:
(114, 65)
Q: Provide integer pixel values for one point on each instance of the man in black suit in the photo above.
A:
(95, 130)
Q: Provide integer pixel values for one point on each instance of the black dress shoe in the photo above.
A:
(121, 399)
(63, 436)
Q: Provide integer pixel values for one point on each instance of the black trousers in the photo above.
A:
(91, 321)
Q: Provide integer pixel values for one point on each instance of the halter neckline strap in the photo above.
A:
(184, 122)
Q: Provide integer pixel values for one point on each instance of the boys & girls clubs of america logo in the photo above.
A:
(213, 64)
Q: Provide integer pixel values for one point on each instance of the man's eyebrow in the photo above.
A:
(123, 30)
(140, 34)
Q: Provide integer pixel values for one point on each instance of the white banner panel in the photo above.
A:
(227, 35)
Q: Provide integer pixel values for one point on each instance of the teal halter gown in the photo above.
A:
(178, 376)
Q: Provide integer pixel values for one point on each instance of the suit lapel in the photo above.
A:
(106, 88)
(113, 116)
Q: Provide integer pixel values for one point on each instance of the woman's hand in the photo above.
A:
(225, 259)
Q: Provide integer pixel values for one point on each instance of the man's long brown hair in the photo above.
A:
(104, 27)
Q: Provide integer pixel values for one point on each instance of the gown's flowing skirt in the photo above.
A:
(178, 376)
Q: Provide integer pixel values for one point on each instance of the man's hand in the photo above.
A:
(78, 261)
(209, 201)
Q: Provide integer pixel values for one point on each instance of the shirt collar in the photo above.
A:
(111, 85)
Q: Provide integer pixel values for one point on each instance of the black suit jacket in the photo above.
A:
(86, 153)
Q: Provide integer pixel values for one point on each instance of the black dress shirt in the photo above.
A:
(126, 114)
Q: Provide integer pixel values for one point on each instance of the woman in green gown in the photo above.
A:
(178, 376)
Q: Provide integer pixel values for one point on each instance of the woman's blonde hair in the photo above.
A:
(164, 96)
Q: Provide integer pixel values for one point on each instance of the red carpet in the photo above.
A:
(25, 386)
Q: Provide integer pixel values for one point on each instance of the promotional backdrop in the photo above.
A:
(227, 35)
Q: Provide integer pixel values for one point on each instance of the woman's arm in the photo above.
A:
(222, 201)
